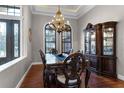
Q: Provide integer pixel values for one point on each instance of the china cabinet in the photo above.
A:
(100, 47)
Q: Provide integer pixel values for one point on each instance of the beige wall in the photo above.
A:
(103, 14)
(12, 75)
(38, 24)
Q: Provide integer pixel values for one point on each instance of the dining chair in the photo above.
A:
(53, 51)
(42, 55)
(70, 51)
(74, 65)
(48, 71)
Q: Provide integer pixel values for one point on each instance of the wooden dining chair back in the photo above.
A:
(74, 64)
(44, 68)
(53, 51)
(48, 71)
(42, 56)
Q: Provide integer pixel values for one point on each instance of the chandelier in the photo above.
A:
(59, 22)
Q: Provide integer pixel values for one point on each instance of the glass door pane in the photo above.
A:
(67, 47)
(108, 41)
(87, 42)
(16, 40)
(66, 41)
(49, 46)
(50, 39)
(2, 39)
(93, 42)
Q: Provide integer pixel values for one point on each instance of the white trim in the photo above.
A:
(2, 16)
(23, 77)
(11, 17)
(121, 77)
(11, 63)
(72, 37)
(23, 34)
(72, 14)
(83, 10)
(36, 63)
(46, 14)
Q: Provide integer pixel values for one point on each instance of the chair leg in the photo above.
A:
(87, 77)
(45, 85)
(44, 82)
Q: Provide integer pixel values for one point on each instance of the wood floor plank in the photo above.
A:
(34, 79)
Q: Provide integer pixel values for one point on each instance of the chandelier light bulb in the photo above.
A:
(68, 22)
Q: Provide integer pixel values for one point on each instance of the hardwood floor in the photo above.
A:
(34, 80)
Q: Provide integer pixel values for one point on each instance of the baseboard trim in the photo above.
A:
(23, 77)
(121, 77)
(36, 63)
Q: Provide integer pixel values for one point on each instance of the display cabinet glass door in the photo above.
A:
(93, 43)
(108, 41)
(87, 40)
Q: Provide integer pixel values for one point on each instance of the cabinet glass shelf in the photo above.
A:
(108, 41)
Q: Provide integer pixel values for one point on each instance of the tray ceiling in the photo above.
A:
(69, 11)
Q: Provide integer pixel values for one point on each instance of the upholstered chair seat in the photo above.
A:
(62, 79)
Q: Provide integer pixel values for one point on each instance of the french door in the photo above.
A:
(9, 40)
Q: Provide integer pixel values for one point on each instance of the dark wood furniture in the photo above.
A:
(48, 71)
(56, 65)
(50, 63)
(53, 51)
(44, 68)
(100, 48)
(73, 67)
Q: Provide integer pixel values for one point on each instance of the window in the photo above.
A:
(66, 39)
(16, 40)
(9, 40)
(2, 39)
(50, 38)
(10, 10)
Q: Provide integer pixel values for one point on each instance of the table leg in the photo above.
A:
(87, 77)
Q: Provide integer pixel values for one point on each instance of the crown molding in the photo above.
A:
(84, 10)
(68, 13)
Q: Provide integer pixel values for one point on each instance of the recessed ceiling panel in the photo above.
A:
(71, 11)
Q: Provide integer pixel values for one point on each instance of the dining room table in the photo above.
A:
(54, 64)
(54, 59)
